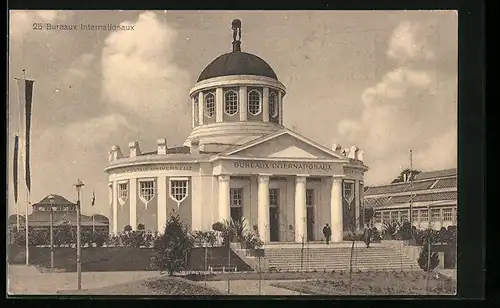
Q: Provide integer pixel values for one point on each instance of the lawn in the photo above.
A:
(109, 259)
(374, 283)
(155, 286)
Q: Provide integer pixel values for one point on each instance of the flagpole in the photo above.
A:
(18, 223)
(22, 147)
(27, 228)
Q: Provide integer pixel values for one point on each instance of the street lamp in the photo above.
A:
(51, 201)
(79, 184)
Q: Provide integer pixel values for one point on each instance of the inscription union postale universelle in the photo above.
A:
(240, 165)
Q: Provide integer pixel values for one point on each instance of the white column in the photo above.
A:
(265, 105)
(133, 203)
(336, 210)
(219, 105)
(193, 113)
(196, 199)
(201, 105)
(263, 208)
(115, 207)
(357, 202)
(161, 193)
(224, 210)
(280, 106)
(243, 104)
(300, 208)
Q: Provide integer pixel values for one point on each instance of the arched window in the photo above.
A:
(122, 192)
(273, 105)
(231, 102)
(179, 188)
(210, 105)
(146, 190)
(254, 99)
(196, 110)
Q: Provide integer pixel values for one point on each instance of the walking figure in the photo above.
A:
(368, 236)
(327, 232)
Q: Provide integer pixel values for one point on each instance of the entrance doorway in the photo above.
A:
(310, 214)
(274, 215)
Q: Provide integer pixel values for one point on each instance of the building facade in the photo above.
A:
(432, 197)
(239, 161)
(63, 213)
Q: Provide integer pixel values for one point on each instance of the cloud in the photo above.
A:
(441, 153)
(411, 107)
(86, 135)
(79, 67)
(409, 41)
(141, 77)
(96, 130)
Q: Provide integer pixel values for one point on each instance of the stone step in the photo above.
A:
(344, 268)
(343, 264)
(326, 250)
(337, 257)
(331, 253)
(373, 266)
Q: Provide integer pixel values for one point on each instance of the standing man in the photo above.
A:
(368, 236)
(327, 232)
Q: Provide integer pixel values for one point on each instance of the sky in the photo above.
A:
(385, 81)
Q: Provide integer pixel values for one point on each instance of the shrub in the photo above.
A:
(173, 247)
(218, 226)
(202, 238)
(64, 235)
(423, 260)
(252, 241)
(19, 237)
(376, 237)
(405, 230)
(100, 238)
(238, 231)
(87, 237)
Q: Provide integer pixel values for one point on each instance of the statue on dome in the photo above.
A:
(236, 27)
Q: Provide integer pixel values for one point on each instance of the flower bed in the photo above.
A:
(375, 283)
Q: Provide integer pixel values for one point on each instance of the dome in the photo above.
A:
(237, 63)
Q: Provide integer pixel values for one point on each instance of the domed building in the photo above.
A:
(239, 161)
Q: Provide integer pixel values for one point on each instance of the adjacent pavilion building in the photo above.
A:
(431, 197)
(239, 161)
(64, 213)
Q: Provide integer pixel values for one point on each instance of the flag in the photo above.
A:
(16, 158)
(25, 99)
(93, 198)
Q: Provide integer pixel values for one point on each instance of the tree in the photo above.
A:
(424, 262)
(368, 214)
(406, 174)
(173, 247)
(405, 231)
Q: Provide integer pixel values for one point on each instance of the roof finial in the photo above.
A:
(236, 27)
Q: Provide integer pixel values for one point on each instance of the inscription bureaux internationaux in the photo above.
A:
(46, 26)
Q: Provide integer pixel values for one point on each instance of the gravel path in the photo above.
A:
(250, 287)
(24, 280)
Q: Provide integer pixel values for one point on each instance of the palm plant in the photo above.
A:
(389, 229)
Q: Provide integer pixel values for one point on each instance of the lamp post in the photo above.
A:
(79, 184)
(51, 201)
